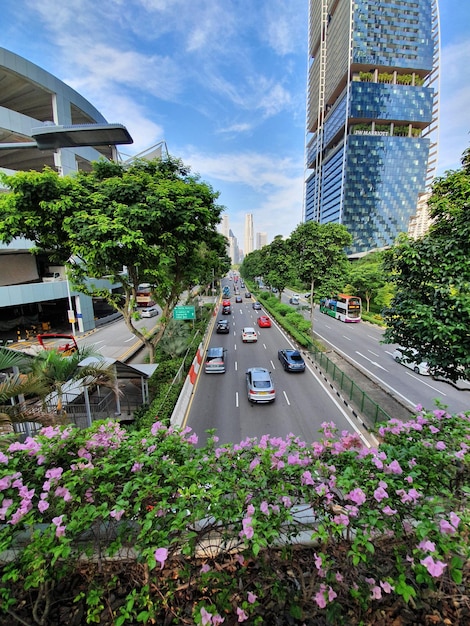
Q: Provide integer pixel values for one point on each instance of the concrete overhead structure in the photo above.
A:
(31, 98)
(38, 109)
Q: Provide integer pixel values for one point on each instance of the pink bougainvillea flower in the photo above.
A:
(161, 555)
(117, 514)
(242, 615)
(427, 546)
(307, 478)
(251, 597)
(357, 496)
(394, 468)
(380, 494)
(435, 568)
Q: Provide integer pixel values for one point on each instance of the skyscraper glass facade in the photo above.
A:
(371, 113)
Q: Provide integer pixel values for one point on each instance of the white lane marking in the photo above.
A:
(371, 361)
(374, 353)
(236, 365)
(381, 380)
(236, 399)
(345, 337)
(420, 379)
(272, 365)
(131, 338)
(285, 396)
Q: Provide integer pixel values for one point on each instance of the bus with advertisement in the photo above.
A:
(342, 307)
(144, 296)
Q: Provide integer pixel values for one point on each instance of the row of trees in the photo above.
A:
(421, 287)
(150, 222)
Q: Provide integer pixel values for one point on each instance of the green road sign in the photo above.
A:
(184, 313)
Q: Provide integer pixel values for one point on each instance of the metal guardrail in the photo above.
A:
(367, 407)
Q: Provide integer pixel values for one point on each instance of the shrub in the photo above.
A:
(111, 527)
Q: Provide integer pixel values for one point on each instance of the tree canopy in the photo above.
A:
(149, 222)
(431, 309)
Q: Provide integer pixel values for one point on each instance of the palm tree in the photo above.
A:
(80, 369)
(43, 377)
(16, 381)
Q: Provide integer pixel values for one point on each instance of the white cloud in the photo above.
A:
(265, 185)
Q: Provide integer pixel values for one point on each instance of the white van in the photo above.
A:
(215, 361)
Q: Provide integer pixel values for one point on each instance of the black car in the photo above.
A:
(226, 310)
(247, 294)
(292, 360)
(222, 327)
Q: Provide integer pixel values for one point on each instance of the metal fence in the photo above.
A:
(367, 407)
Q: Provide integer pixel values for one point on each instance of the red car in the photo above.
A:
(264, 321)
(225, 302)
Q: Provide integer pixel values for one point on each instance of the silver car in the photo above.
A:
(411, 360)
(259, 385)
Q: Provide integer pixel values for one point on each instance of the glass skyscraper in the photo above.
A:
(372, 112)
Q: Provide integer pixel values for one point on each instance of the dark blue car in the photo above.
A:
(292, 360)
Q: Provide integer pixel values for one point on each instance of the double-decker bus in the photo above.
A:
(144, 296)
(343, 307)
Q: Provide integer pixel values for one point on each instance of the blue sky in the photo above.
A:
(222, 82)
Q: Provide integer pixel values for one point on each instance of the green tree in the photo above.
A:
(319, 257)
(253, 265)
(431, 308)
(150, 222)
(278, 264)
(366, 277)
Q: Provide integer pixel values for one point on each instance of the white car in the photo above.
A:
(148, 311)
(249, 335)
(419, 367)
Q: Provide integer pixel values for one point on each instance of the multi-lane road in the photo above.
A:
(362, 344)
(303, 401)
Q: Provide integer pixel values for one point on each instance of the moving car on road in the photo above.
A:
(249, 335)
(264, 321)
(259, 385)
(291, 360)
(411, 360)
(215, 361)
(247, 294)
(256, 306)
(295, 299)
(148, 311)
(238, 299)
(222, 327)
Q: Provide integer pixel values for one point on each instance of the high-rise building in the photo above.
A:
(372, 112)
(248, 233)
(261, 240)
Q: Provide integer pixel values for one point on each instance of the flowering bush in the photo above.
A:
(115, 527)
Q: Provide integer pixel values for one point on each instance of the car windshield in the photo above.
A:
(261, 384)
(295, 356)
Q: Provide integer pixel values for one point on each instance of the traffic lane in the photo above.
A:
(235, 417)
(303, 402)
(361, 343)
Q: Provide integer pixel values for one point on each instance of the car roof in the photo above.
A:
(259, 372)
(249, 329)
